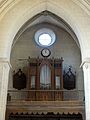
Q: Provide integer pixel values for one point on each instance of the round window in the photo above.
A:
(45, 37)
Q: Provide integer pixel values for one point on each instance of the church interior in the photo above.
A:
(44, 60)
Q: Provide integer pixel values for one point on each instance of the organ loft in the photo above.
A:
(46, 89)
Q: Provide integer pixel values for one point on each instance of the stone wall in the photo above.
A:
(64, 47)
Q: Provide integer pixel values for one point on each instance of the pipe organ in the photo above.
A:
(44, 75)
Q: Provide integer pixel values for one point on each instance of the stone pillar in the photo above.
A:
(4, 73)
(86, 69)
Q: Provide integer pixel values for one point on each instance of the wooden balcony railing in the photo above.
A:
(45, 95)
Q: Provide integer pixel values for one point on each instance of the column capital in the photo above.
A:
(85, 62)
(5, 60)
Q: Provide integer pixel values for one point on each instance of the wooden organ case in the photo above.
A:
(45, 79)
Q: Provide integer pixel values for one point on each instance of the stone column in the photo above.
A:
(86, 69)
(4, 73)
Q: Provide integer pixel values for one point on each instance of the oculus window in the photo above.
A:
(45, 37)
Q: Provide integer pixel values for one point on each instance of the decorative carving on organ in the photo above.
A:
(19, 80)
(45, 73)
(69, 79)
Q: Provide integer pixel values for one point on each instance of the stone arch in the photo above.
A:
(17, 16)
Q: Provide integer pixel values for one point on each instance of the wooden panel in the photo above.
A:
(55, 66)
(48, 116)
(45, 95)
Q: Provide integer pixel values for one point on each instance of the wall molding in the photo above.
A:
(5, 5)
(84, 61)
(84, 4)
(5, 60)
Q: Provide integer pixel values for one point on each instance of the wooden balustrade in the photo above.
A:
(45, 95)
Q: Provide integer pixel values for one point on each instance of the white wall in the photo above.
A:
(64, 47)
